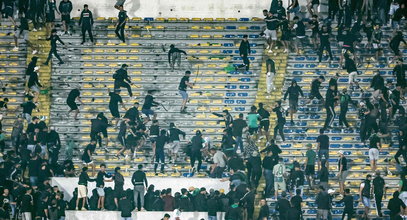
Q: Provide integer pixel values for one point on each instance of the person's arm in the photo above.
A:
(37, 81)
(396, 157)
(360, 191)
(81, 18)
(182, 51)
(248, 47)
(70, 8)
(123, 106)
(145, 180)
(300, 90)
(80, 100)
(46, 213)
(286, 93)
(59, 39)
(58, 141)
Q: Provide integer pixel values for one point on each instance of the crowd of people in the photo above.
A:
(31, 156)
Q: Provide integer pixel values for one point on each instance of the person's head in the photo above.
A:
(396, 194)
(293, 82)
(314, 17)
(321, 78)
(280, 160)
(296, 18)
(340, 153)
(184, 191)
(332, 87)
(245, 37)
(102, 167)
(140, 166)
(309, 146)
(298, 192)
(187, 73)
(172, 125)
(321, 131)
(253, 108)
(198, 133)
(284, 194)
(262, 202)
(265, 12)
(261, 105)
(169, 191)
(280, 3)
(121, 7)
(325, 28)
(117, 169)
(347, 191)
(85, 6)
(54, 31)
(163, 132)
(321, 188)
(377, 173)
(172, 46)
(166, 216)
(225, 112)
(368, 177)
(213, 150)
(124, 66)
(37, 69)
(5, 100)
(241, 115)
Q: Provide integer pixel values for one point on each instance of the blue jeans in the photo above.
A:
(239, 143)
(212, 218)
(268, 175)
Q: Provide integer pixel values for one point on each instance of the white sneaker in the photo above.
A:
(35, 52)
(35, 30)
(15, 49)
(268, 47)
(285, 51)
(270, 51)
(276, 48)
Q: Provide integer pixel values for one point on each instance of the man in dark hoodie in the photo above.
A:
(201, 201)
(348, 200)
(213, 205)
(65, 7)
(185, 203)
(86, 22)
(395, 204)
(174, 56)
(282, 206)
(244, 51)
(158, 204)
(174, 134)
(293, 92)
(120, 76)
(323, 203)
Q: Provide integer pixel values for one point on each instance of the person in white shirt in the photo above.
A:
(219, 163)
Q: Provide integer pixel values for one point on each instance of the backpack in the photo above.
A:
(115, 75)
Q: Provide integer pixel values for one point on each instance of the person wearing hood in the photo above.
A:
(196, 147)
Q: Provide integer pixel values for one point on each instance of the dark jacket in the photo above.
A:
(200, 203)
(244, 48)
(293, 93)
(84, 179)
(323, 200)
(86, 19)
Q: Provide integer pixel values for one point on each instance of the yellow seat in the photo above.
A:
(242, 28)
(220, 19)
(193, 36)
(172, 19)
(219, 27)
(196, 19)
(136, 19)
(195, 27)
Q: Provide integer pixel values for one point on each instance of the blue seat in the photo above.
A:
(302, 116)
(148, 19)
(247, 72)
(309, 65)
(254, 27)
(347, 145)
(241, 102)
(335, 146)
(336, 138)
(298, 72)
(231, 27)
(244, 19)
(229, 101)
(253, 51)
(311, 58)
(242, 94)
(227, 51)
(343, 80)
(230, 36)
(231, 86)
(286, 145)
(300, 58)
(244, 87)
(240, 109)
(230, 94)
(245, 79)
(253, 45)
(228, 45)
(254, 36)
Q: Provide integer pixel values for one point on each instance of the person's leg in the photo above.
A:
(49, 57)
(280, 129)
(378, 200)
(58, 57)
(321, 51)
(192, 159)
(128, 87)
(199, 157)
(90, 34)
(117, 32)
(136, 194)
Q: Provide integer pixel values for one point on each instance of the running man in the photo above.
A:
(182, 88)
(74, 95)
(174, 56)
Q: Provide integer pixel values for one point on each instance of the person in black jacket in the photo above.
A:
(379, 189)
(114, 101)
(174, 56)
(323, 202)
(53, 145)
(213, 205)
(158, 204)
(185, 203)
(201, 201)
(133, 114)
(377, 82)
(82, 188)
(293, 92)
(86, 22)
(120, 77)
(282, 206)
(348, 200)
(278, 109)
(395, 44)
(54, 38)
(98, 127)
(264, 210)
(148, 103)
(330, 100)
(396, 206)
(65, 7)
(324, 43)
(196, 147)
(125, 207)
(365, 193)
(33, 83)
(74, 95)
(400, 72)
(324, 175)
(244, 51)
(352, 70)
(159, 150)
(139, 181)
(174, 134)
(264, 122)
(121, 23)
(316, 83)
